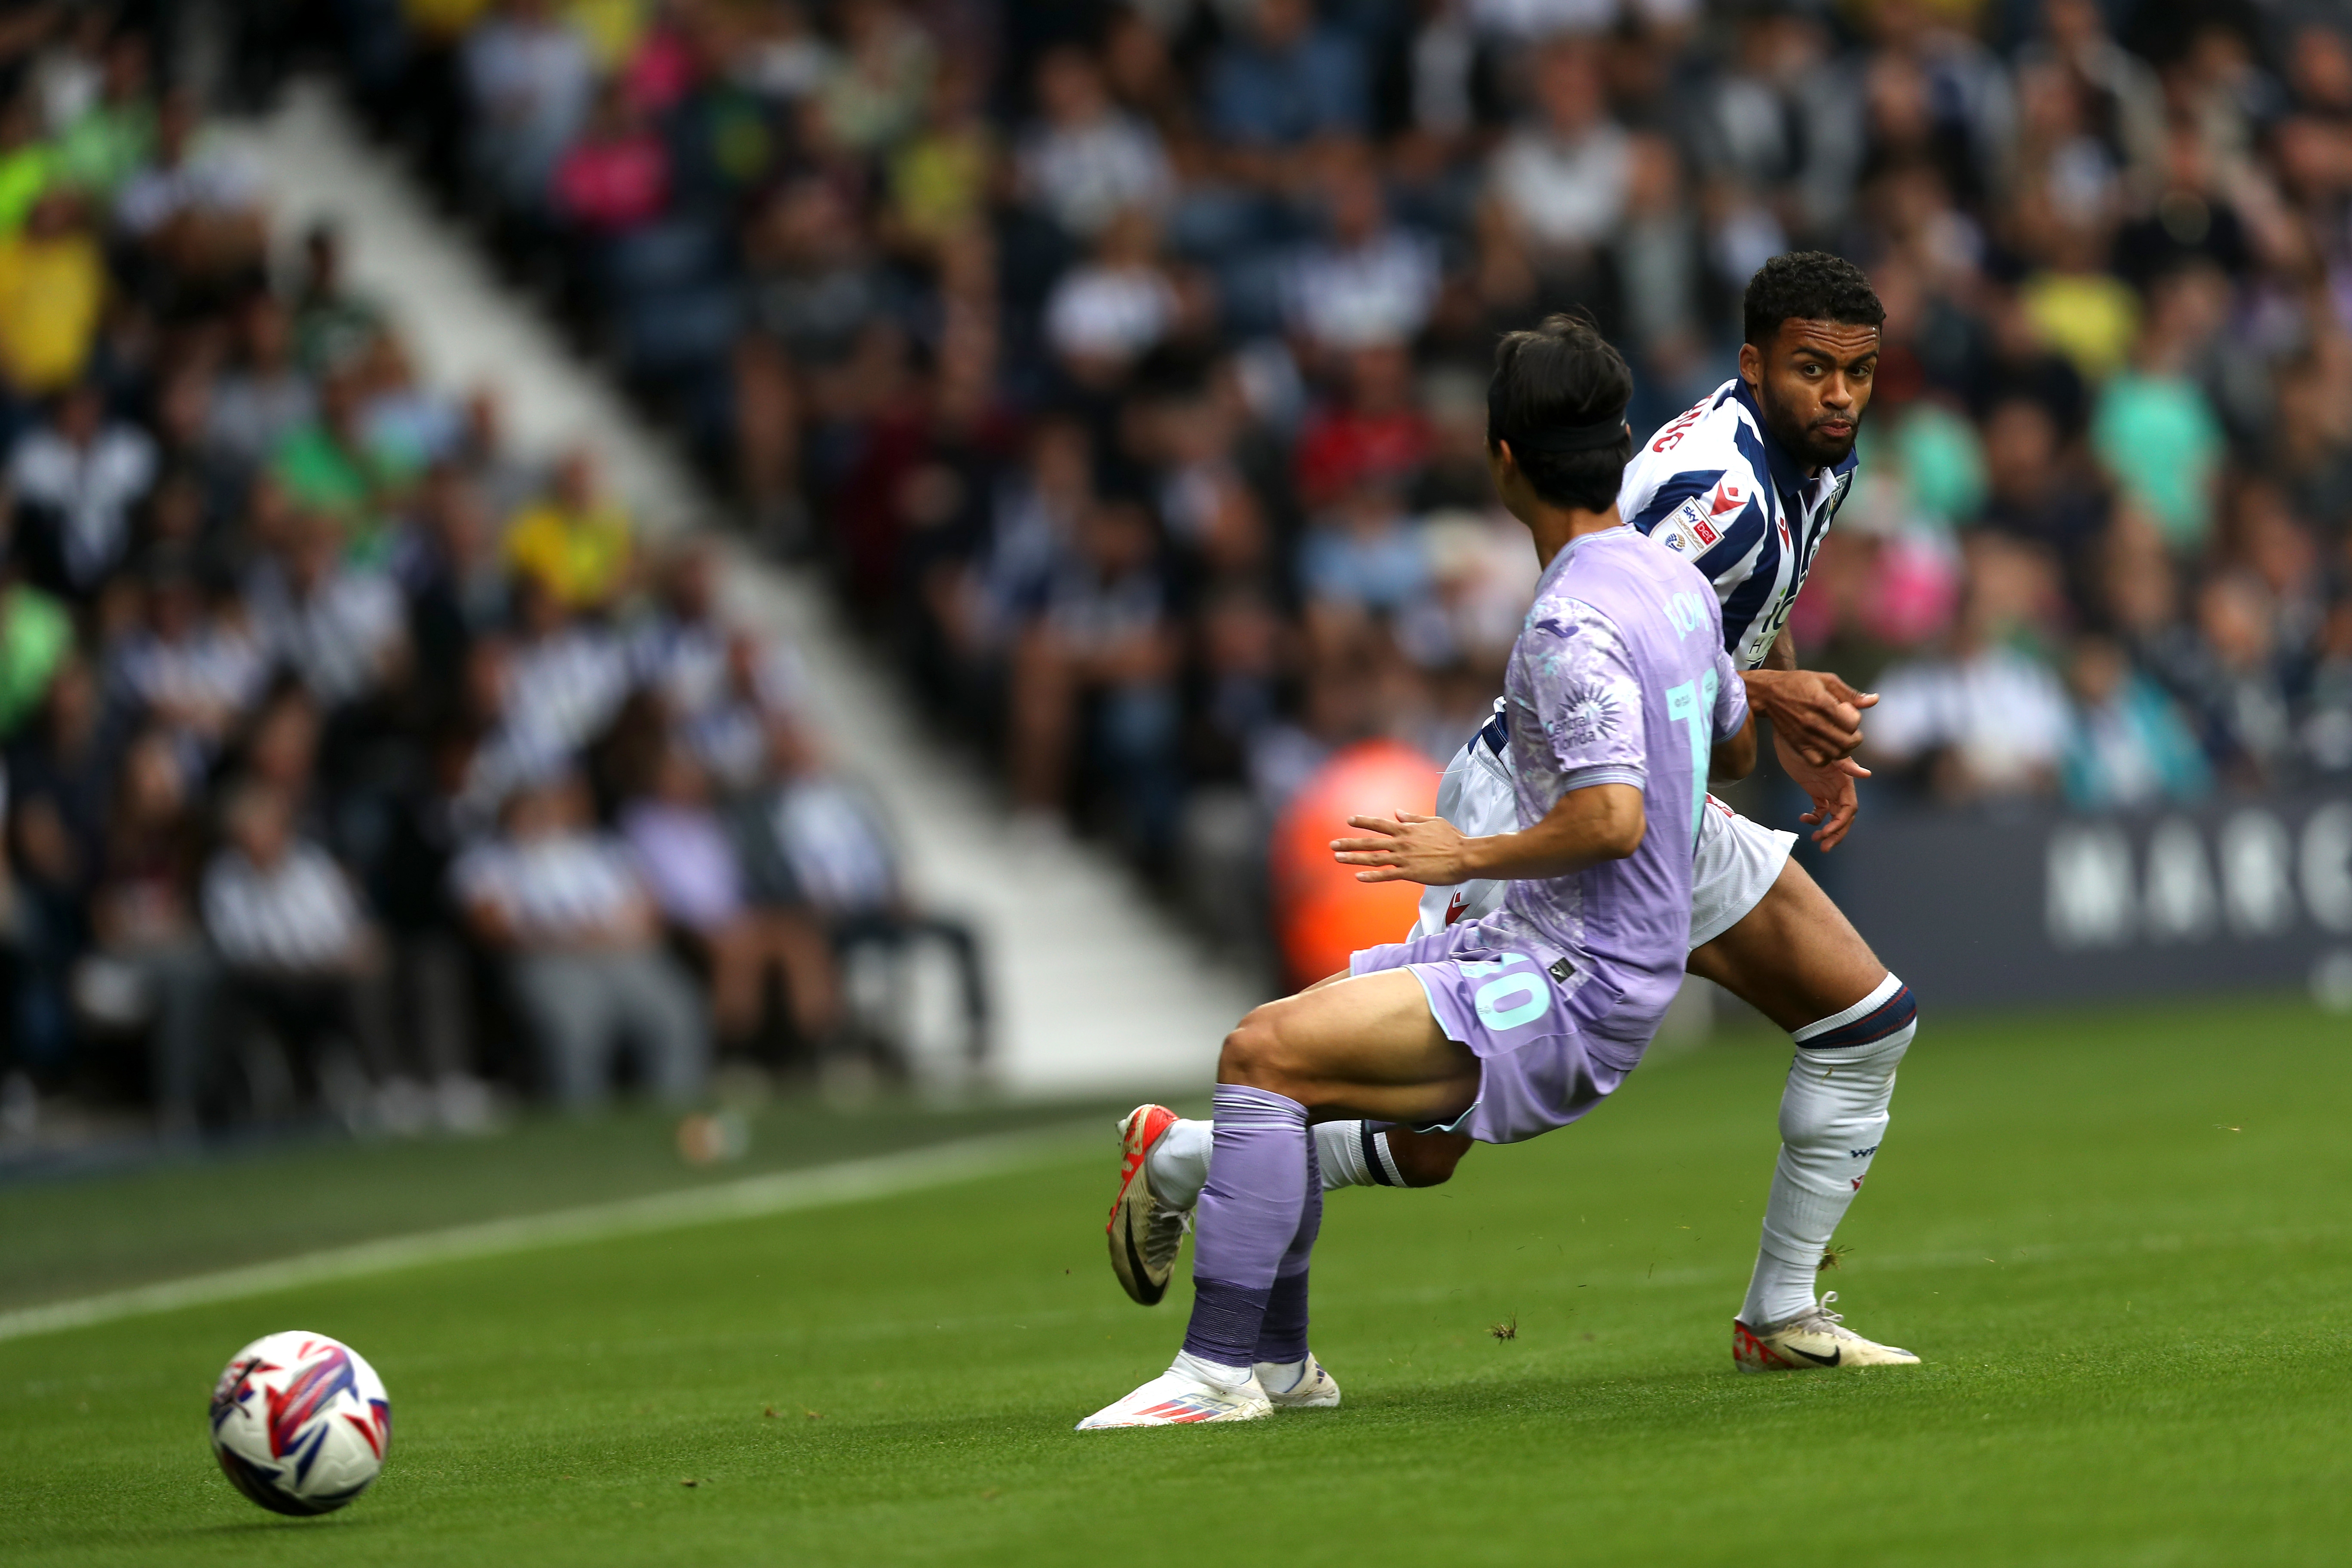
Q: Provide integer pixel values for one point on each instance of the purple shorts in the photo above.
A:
(1552, 1040)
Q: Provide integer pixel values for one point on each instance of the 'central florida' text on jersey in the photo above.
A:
(1711, 486)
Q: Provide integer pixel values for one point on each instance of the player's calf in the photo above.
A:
(1424, 1158)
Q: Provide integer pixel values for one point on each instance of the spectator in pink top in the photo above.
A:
(615, 178)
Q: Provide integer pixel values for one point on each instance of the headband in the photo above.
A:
(1561, 440)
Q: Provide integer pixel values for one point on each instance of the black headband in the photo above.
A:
(1562, 441)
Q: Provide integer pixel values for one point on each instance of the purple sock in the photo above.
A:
(1248, 1218)
(1282, 1336)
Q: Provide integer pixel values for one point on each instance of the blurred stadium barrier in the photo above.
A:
(2033, 904)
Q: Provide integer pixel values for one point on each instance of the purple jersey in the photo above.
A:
(1619, 676)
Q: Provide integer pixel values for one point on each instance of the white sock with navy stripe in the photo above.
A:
(1349, 1156)
(1833, 1115)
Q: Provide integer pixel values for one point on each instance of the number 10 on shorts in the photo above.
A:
(1519, 994)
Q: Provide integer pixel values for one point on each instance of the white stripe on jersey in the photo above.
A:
(1710, 485)
(1475, 795)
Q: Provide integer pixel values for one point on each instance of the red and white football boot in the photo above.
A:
(1809, 1342)
(1145, 1234)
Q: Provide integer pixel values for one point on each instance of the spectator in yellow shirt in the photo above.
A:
(573, 540)
(52, 285)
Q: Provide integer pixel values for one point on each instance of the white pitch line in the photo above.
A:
(782, 1192)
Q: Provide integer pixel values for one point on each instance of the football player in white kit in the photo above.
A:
(1746, 483)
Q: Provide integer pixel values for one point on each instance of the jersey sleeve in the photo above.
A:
(1587, 696)
(1672, 494)
(1730, 696)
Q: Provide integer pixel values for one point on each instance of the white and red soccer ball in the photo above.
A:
(300, 1424)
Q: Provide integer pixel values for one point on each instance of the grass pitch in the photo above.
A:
(2121, 1239)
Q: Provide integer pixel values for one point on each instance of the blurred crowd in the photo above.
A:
(1122, 359)
(356, 762)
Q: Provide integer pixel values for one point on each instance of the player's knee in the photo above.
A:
(1426, 1159)
(1254, 1055)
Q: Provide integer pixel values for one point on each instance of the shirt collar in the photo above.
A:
(1558, 562)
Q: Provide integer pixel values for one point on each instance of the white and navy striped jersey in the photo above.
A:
(1711, 485)
(1697, 487)
(1477, 797)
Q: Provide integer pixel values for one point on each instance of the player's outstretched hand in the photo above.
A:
(1831, 789)
(1813, 711)
(1408, 849)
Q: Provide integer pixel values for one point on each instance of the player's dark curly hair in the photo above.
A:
(1557, 392)
(1808, 285)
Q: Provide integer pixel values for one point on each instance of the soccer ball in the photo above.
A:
(300, 1424)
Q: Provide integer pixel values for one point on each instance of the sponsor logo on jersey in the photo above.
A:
(1728, 496)
(1706, 531)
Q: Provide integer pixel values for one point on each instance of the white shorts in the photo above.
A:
(1737, 863)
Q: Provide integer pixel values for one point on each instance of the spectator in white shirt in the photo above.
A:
(835, 855)
(198, 205)
(1105, 315)
(302, 955)
(1986, 719)
(531, 80)
(75, 479)
(1561, 180)
(1371, 282)
(264, 397)
(276, 904)
(192, 671)
(566, 677)
(1087, 162)
(582, 945)
(343, 630)
(724, 690)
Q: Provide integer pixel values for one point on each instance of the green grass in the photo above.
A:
(2121, 1238)
(65, 1238)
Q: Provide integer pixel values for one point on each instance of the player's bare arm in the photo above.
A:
(1583, 828)
(1734, 757)
(1815, 712)
(1831, 789)
(1805, 704)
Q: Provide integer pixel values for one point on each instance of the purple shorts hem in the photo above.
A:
(1536, 1042)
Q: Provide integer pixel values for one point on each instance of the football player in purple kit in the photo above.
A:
(1623, 704)
(1744, 484)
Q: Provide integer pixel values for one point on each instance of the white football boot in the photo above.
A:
(1809, 1342)
(1190, 1391)
(1145, 1234)
(1297, 1386)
